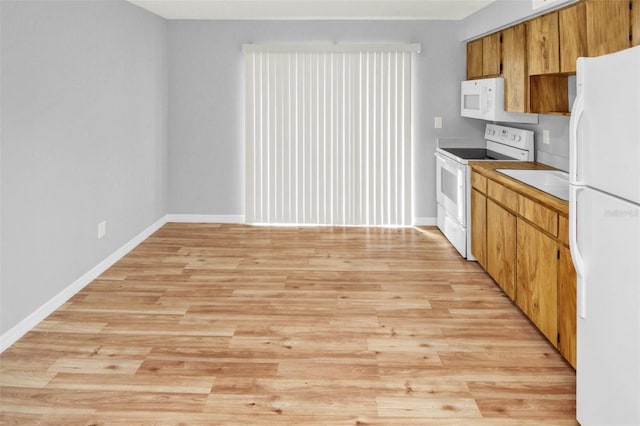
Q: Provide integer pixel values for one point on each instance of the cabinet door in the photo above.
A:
(491, 55)
(543, 45)
(514, 68)
(537, 275)
(573, 36)
(607, 26)
(635, 22)
(474, 59)
(479, 227)
(566, 306)
(501, 247)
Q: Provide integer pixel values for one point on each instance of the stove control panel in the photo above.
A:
(510, 136)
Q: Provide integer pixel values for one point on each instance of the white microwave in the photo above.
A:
(484, 99)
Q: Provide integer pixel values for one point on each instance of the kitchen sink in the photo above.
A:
(554, 182)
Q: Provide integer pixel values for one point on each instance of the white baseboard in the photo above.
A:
(425, 221)
(204, 218)
(20, 329)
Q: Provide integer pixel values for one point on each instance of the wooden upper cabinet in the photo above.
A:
(536, 57)
(543, 44)
(635, 22)
(607, 26)
(514, 68)
(491, 54)
(474, 59)
(484, 56)
(573, 36)
(594, 28)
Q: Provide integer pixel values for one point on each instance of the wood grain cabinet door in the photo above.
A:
(491, 55)
(566, 306)
(514, 68)
(479, 227)
(543, 44)
(607, 26)
(474, 59)
(537, 276)
(635, 22)
(501, 247)
(573, 36)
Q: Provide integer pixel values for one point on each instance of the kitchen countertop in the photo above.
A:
(488, 169)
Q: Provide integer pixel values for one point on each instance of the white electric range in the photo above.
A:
(453, 177)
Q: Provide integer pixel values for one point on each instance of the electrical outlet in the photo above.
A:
(437, 122)
(102, 229)
(545, 137)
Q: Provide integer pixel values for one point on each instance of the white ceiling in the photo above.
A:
(312, 9)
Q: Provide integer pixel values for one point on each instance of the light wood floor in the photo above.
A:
(231, 324)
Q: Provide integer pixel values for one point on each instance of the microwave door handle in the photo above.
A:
(484, 107)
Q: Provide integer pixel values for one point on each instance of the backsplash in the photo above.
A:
(556, 153)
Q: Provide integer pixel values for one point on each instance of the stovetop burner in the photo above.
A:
(476, 154)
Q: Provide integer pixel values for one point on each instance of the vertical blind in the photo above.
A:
(328, 134)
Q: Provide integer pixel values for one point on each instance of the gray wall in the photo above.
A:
(206, 174)
(83, 140)
(86, 105)
(556, 153)
(503, 13)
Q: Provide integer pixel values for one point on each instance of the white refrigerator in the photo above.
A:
(605, 236)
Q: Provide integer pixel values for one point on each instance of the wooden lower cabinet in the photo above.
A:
(567, 306)
(635, 22)
(501, 247)
(479, 227)
(523, 244)
(537, 278)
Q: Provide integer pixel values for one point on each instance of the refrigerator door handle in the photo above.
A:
(578, 261)
(574, 122)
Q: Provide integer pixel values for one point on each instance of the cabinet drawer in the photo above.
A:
(503, 195)
(479, 182)
(538, 215)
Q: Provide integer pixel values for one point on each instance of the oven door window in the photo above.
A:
(451, 180)
(449, 184)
